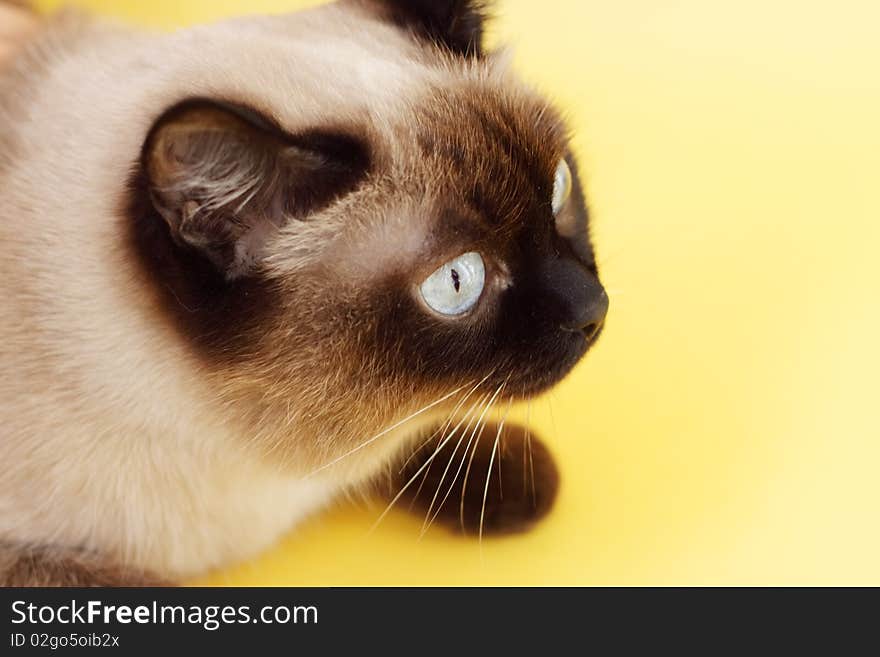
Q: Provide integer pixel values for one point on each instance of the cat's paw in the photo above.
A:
(452, 488)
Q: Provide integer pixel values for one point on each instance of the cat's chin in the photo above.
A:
(528, 383)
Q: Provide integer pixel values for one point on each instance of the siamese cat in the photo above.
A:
(250, 266)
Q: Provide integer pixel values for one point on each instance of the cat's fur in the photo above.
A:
(210, 241)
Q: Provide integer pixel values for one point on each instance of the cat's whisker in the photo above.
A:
(529, 445)
(444, 426)
(424, 465)
(448, 465)
(474, 438)
(489, 475)
(428, 517)
(387, 430)
(421, 445)
(439, 431)
(467, 473)
(468, 470)
(466, 416)
(479, 426)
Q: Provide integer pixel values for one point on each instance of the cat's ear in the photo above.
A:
(225, 179)
(456, 24)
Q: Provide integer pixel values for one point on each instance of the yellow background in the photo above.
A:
(725, 430)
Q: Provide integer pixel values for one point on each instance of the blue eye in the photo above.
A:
(456, 286)
(561, 186)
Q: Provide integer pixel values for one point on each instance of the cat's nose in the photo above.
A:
(590, 317)
(583, 301)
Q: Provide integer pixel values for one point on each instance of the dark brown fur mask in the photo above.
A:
(293, 261)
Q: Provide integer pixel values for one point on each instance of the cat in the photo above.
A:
(253, 265)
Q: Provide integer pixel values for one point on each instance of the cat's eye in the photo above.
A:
(456, 286)
(561, 186)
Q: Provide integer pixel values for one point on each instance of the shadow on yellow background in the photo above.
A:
(725, 430)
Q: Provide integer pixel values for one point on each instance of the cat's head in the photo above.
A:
(371, 261)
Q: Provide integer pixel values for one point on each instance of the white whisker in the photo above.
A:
(489, 475)
(529, 445)
(454, 431)
(385, 432)
(448, 465)
(480, 425)
(467, 471)
(424, 465)
(443, 427)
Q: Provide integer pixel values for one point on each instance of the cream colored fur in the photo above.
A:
(112, 434)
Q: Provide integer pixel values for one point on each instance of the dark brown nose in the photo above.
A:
(591, 317)
(582, 299)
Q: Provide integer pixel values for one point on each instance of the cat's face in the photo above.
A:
(367, 266)
(499, 280)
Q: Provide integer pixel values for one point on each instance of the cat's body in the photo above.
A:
(150, 446)
(89, 366)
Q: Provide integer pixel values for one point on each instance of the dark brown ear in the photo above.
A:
(456, 24)
(225, 179)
